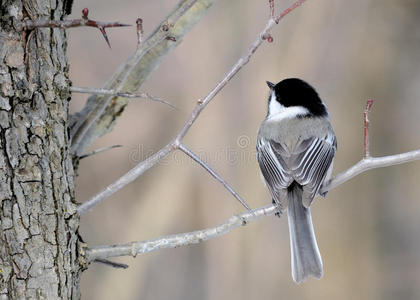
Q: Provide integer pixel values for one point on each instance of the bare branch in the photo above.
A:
(101, 112)
(64, 24)
(126, 178)
(368, 164)
(366, 132)
(189, 238)
(178, 240)
(187, 151)
(87, 90)
(201, 104)
(183, 239)
(100, 150)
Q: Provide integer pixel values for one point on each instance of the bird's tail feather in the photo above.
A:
(306, 259)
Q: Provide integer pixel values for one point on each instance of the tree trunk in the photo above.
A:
(38, 224)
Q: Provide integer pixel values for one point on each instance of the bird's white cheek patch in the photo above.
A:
(277, 112)
(275, 107)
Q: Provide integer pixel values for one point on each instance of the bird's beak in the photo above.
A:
(270, 85)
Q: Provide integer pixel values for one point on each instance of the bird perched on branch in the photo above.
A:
(295, 149)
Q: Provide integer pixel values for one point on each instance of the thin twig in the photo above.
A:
(86, 90)
(64, 24)
(369, 103)
(141, 167)
(271, 2)
(139, 23)
(177, 240)
(188, 152)
(100, 150)
(111, 263)
(289, 9)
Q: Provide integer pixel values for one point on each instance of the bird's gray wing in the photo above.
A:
(310, 162)
(274, 169)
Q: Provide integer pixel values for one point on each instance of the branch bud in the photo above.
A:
(85, 13)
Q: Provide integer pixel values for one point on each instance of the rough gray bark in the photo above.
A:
(38, 224)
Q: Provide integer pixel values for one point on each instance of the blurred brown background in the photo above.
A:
(367, 229)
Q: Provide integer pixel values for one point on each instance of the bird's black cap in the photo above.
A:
(296, 92)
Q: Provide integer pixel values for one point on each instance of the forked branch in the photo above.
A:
(189, 238)
(184, 239)
(84, 21)
(140, 168)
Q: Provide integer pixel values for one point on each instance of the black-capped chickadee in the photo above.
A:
(295, 150)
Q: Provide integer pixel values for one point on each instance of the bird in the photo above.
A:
(296, 145)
